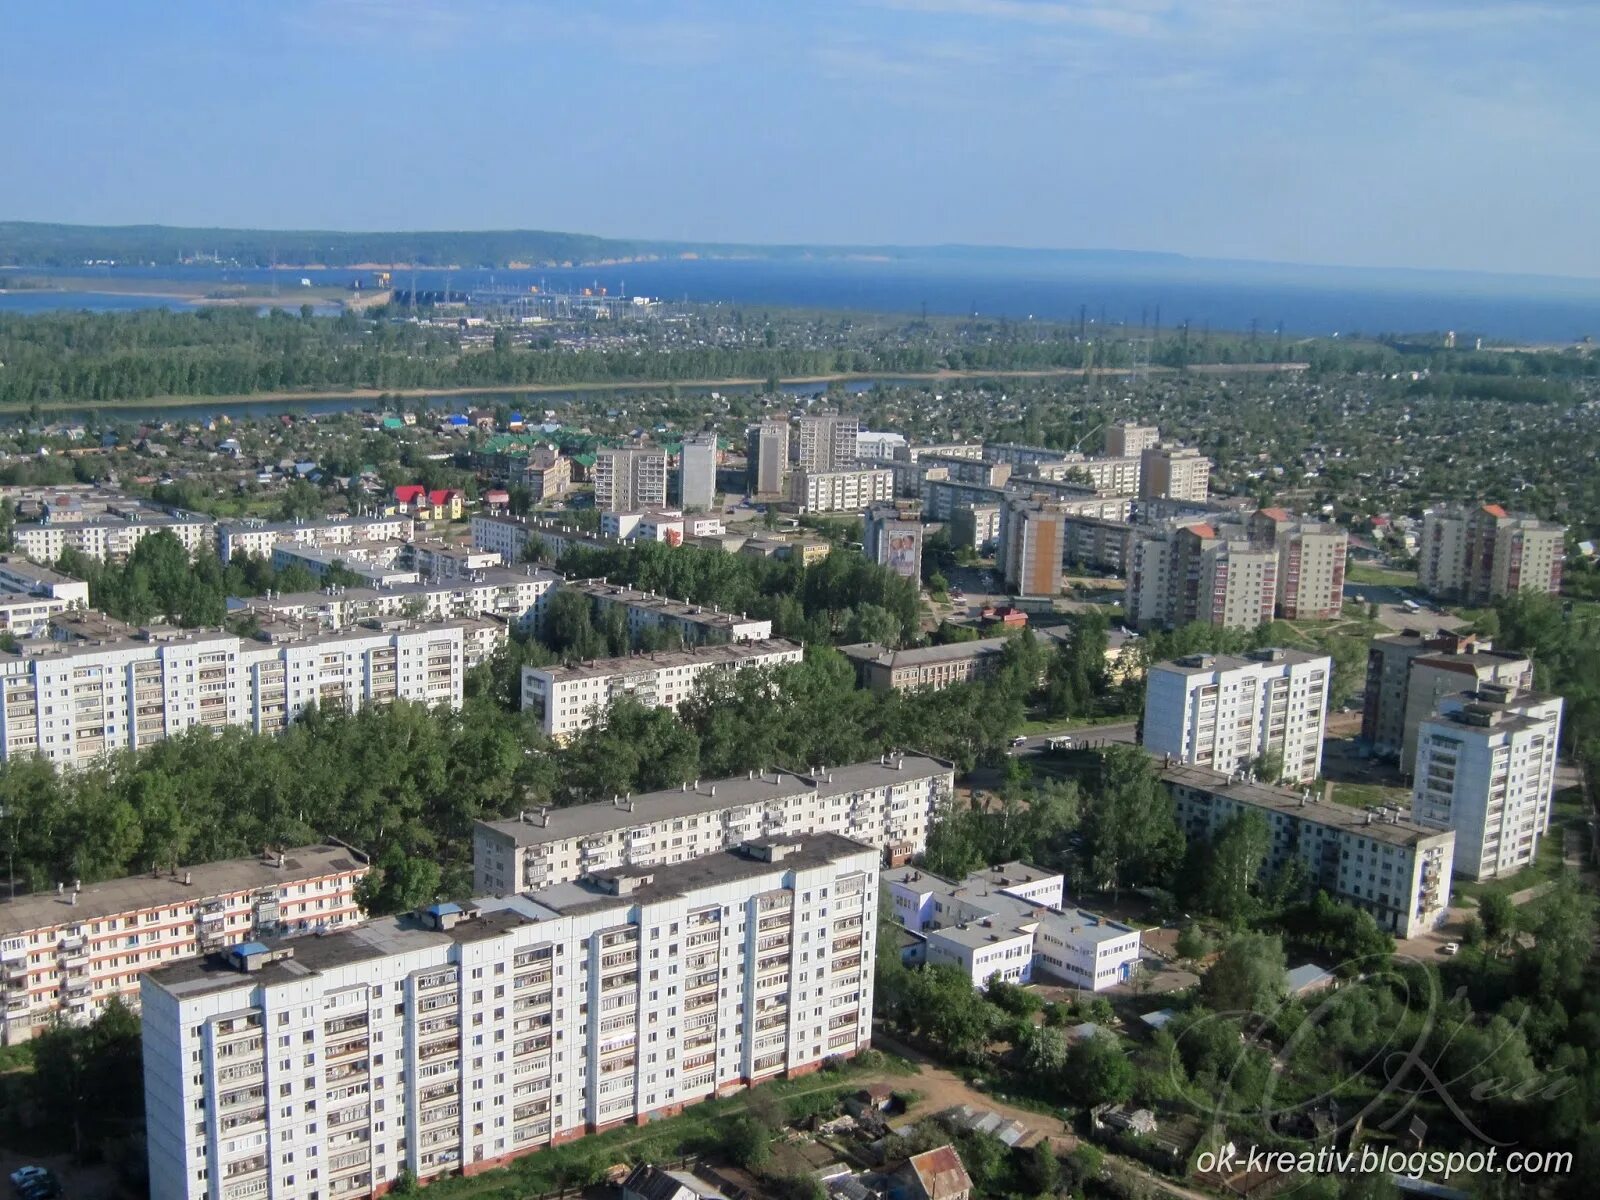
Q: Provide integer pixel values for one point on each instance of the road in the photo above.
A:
(1039, 743)
(1392, 613)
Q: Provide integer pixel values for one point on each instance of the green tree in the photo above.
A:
(1099, 1070)
(1250, 975)
(399, 883)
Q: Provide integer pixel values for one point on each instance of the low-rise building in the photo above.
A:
(1394, 868)
(65, 954)
(935, 667)
(460, 1037)
(517, 596)
(31, 595)
(888, 803)
(1011, 922)
(1226, 712)
(566, 700)
(257, 538)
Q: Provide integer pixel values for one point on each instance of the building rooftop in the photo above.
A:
(700, 614)
(628, 886)
(253, 525)
(873, 652)
(1392, 828)
(713, 795)
(697, 656)
(1206, 664)
(44, 910)
(20, 568)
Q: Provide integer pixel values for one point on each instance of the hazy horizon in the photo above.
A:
(1442, 135)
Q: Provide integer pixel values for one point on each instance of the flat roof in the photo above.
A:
(1397, 831)
(730, 652)
(26, 569)
(588, 820)
(1207, 664)
(250, 525)
(478, 577)
(1089, 926)
(44, 910)
(671, 880)
(600, 589)
(873, 652)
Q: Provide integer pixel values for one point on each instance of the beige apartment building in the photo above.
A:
(839, 491)
(1311, 563)
(1174, 473)
(65, 954)
(630, 478)
(826, 442)
(1200, 572)
(1476, 555)
(1129, 440)
(888, 803)
(767, 457)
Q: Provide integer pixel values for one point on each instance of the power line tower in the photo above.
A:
(1138, 359)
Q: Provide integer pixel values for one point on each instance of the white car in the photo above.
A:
(1450, 948)
(1019, 741)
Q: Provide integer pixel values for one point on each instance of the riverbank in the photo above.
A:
(621, 385)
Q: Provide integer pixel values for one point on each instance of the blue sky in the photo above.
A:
(1430, 133)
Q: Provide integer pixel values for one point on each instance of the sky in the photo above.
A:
(1406, 133)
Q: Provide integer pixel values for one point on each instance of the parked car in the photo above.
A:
(1450, 948)
(1019, 740)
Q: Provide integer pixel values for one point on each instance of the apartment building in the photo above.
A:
(892, 537)
(109, 538)
(1224, 711)
(1106, 476)
(1396, 869)
(377, 564)
(544, 471)
(885, 670)
(630, 477)
(1129, 440)
(72, 702)
(569, 699)
(888, 803)
(826, 442)
(976, 526)
(962, 469)
(1486, 770)
(517, 596)
(1097, 544)
(1311, 563)
(1020, 457)
(510, 537)
(943, 498)
(767, 456)
(31, 595)
(434, 559)
(458, 1038)
(1028, 547)
(1174, 473)
(258, 538)
(697, 471)
(65, 954)
(695, 624)
(839, 491)
(1476, 555)
(1200, 572)
(1009, 922)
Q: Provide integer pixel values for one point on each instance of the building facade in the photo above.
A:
(697, 471)
(458, 1038)
(839, 491)
(1311, 563)
(695, 624)
(1128, 440)
(64, 955)
(73, 703)
(1028, 546)
(892, 538)
(257, 539)
(1395, 869)
(1199, 572)
(888, 803)
(885, 670)
(826, 442)
(1224, 712)
(627, 478)
(767, 457)
(1486, 770)
(1476, 555)
(109, 539)
(1174, 473)
(569, 699)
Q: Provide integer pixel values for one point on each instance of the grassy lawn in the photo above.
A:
(1379, 576)
(1546, 866)
(1360, 795)
(1038, 725)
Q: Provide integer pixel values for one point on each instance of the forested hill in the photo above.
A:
(33, 244)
